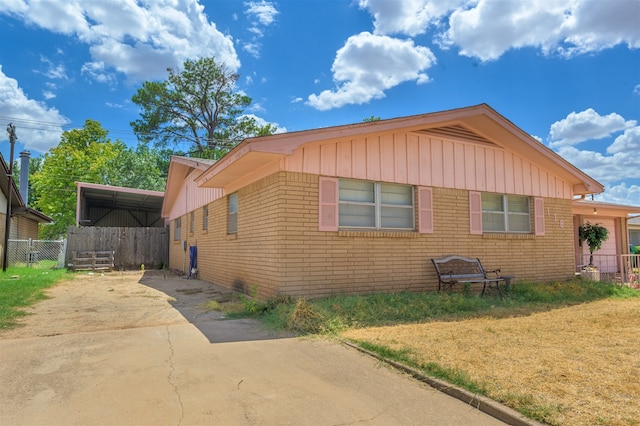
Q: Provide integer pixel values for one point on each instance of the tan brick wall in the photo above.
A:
(279, 249)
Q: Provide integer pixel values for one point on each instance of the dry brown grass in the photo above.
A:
(581, 364)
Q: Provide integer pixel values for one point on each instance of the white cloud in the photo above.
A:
(491, 27)
(618, 164)
(38, 127)
(140, 39)
(98, 72)
(628, 142)
(262, 14)
(264, 11)
(486, 29)
(410, 17)
(54, 72)
(606, 169)
(259, 121)
(636, 89)
(368, 65)
(586, 125)
(622, 194)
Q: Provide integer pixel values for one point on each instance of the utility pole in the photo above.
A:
(11, 130)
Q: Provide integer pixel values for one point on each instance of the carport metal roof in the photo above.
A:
(117, 198)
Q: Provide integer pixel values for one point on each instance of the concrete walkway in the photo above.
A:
(172, 374)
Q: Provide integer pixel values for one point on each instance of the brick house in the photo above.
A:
(25, 221)
(362, 208)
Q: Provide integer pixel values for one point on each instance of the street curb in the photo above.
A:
(484, 404)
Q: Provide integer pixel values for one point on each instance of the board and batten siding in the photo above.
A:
(429, 161)
(191, 197)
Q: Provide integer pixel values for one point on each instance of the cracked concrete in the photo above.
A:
(164, 370)
(172, 370)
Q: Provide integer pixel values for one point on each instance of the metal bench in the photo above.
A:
(454, 270)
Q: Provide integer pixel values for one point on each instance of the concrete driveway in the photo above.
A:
(166, 361)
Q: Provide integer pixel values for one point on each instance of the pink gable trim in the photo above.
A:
(328, 204)
(475, 213)
(538, 207)
(425, 210)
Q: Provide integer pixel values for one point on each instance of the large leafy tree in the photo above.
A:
(142, 168)
(199, 104)
(86, 155)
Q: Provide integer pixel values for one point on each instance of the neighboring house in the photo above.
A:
(25, 221)
(615, 218)
(634, 231)
(363, 208)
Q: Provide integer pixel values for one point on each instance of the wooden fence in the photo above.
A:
(133, 247)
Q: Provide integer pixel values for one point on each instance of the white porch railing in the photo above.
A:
(623, 269)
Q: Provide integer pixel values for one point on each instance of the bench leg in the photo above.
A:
(484, 287)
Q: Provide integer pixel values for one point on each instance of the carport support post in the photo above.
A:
(11, 130)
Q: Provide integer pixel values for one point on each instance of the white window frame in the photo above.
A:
(205, 218)
(232, 215)
(177, 231)
(378, 206)
(504, 214)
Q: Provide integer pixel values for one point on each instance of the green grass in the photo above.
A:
(333, 314)
(21, 287)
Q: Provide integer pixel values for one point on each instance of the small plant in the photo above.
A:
(142, 267)
(594, 235)
(251, 303)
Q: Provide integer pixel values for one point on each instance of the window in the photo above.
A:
(178, 229)
(205, 217)
(232, 219)
(192, 221)
(634, 237)
(375, 205)
(505, 213)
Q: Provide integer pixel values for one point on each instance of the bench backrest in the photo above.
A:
(454, 267)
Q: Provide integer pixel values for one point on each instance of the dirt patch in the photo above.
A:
(112, 301)
(579, 365)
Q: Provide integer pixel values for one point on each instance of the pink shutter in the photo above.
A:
(425, 210)
(538, 212)
(328, 204)
(475, 213)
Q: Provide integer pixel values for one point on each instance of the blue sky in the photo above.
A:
(565, 71)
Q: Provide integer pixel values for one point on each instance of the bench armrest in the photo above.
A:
(495, 271)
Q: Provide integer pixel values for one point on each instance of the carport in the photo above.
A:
(105, 205)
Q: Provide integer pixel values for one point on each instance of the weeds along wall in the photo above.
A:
(279, 250)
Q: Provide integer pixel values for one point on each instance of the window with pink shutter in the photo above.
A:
(499, 213)
(475, 213)
(425, 210)
(328, 204)
(538, 206)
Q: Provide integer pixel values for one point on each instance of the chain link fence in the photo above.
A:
(43, 254)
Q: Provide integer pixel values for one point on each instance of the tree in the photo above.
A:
(371, 119)
(150, 165)
(594, 235)
(198, 104)
(85, 155)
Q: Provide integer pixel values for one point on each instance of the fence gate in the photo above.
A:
(45, 254)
